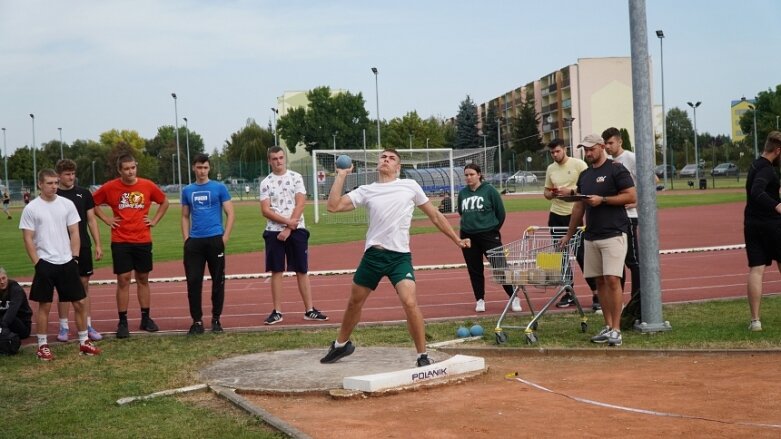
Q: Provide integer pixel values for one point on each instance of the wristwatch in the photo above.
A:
(604, 200)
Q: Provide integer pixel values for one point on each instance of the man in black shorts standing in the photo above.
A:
(85, 205)
(50, 228)
(762, 221)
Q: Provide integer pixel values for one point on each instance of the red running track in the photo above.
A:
(442, 294)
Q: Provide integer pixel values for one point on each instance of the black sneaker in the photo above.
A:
(148, 325)
(122, 331)
(314, 314)
(273, 318)
(423, 360)
(336, 354)
(565, 302)
(196, 329)
(216, 325)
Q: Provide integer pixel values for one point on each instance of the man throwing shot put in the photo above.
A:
(389, 203)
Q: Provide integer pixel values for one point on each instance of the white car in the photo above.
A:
(523, 177)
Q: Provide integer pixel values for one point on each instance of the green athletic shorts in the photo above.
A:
(377, 263)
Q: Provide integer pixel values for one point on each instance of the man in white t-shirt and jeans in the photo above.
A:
(50, 229)
(282, 199)
(389, 203)
(614, 146)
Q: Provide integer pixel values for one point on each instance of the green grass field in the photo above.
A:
(248, 228)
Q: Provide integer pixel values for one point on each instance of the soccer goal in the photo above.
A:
(439, 171)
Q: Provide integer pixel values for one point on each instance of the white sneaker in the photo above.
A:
(480, 306)
(755, 326)
(517, 305)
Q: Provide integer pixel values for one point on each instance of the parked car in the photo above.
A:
(690, 170)
(495, 178)
(671, 172)
(725, 169)
(522, 177)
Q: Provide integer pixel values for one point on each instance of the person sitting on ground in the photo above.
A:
(15, 312)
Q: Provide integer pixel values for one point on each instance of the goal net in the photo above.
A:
(439, 171)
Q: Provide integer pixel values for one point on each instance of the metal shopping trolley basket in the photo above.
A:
(537, 261)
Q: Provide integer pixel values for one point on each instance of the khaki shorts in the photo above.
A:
(605, 257)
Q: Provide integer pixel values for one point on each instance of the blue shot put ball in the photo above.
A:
(344, 162)
(462, 332)
(476, 331)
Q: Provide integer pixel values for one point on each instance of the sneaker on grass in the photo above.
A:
(565, 302)
(88, 349)
(755, 326)
(196, 329)
(480, 306)
(273, 318)
(62, 335)
(335, 354)
(122, 331)
(93, 334)
(602, 336)
(423, 360)
(148, 325)
(314, 314)
(614, 338)
(44, 353)
(516, 305)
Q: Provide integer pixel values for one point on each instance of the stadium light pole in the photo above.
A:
(696, 152)
(660, 35)
(187, 143)
(485, 150)
(93, 172)
(61, 154)
(499, 147)
(754, 113)
(35, 165)
(5, 157)
(428, 159)
(173, 169)
(334, 134)
(178, 151)
(377, 98)
(275, 111)
(569, 120)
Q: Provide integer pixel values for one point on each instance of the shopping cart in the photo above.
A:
(537, 261)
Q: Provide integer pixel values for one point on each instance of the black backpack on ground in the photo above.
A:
(9, 342)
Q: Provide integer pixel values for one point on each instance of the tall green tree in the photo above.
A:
(466, 126)
(680, 136)
(525, 138)
(767, 106)
(162, 147)
(626, 141)
(490, 123)
(246, 150)
(340, 118)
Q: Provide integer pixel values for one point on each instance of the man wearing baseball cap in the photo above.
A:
(610, 187)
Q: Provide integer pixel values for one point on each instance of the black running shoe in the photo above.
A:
(149, 325)
(335, 354)
(273, 318)
(196, 329)
(122, 331)
(216, 325)
(565, 302)
(424, 360)
(315, 314)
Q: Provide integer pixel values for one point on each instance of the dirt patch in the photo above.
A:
(703, 395)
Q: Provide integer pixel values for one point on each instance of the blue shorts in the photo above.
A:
(295, 249)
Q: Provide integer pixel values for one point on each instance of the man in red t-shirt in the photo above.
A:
(130, 199)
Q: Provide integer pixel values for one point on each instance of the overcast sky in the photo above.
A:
(90, 66)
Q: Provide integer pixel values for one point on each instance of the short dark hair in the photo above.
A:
(124, 158)
(64, 165)
(556, 143)
(47, 172)
(611, 132)
(393, 150)
(201, 158)
(274, 150)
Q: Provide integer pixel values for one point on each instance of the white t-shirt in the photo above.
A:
(281, 190)
(49, 221)
(627, 158)
(390, 206)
